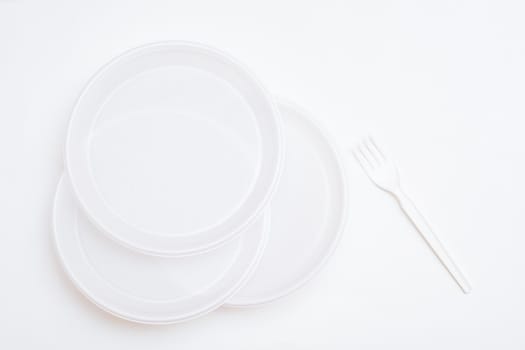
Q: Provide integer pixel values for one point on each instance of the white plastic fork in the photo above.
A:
(384, 174)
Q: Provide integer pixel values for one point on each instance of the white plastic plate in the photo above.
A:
(308, 212)
(173, 148)
(144, 288)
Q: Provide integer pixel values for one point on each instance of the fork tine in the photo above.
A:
(373, 150)
(368, 154)
(376, 147)
(363, 162)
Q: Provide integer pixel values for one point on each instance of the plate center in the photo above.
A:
(167, 163)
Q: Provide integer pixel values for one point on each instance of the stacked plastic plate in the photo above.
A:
(179, 195)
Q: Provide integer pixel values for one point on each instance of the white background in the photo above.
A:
(441, 83)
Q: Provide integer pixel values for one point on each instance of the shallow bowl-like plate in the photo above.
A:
(173, 148)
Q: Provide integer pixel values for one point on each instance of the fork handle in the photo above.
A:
(433, 242)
